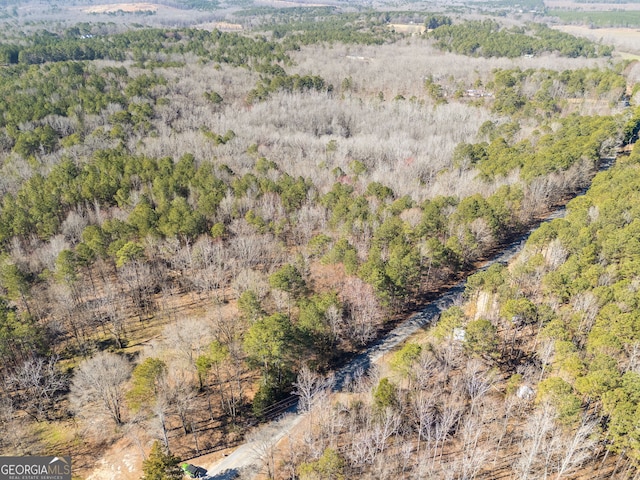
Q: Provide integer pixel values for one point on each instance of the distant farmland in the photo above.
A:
(600, 19)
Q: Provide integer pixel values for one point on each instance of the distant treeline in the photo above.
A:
(599, 19)
(488, 38)
(81, 44)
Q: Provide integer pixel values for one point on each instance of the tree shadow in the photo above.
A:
(229, 474)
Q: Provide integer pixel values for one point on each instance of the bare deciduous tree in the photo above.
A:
(138, 277)
(160, 409)
(111, 314)
(37, 381)
(180, 391)
(97, 388)
(308, 386)
(424, 414)
(578, 447)
(12, 428)
(188, 338)
(474, 452)
(363, 311)
(265, 447)
(449, 413)
(477, 381)
(539, 427)
(587, 305)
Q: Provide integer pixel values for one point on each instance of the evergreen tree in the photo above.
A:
(160, 465)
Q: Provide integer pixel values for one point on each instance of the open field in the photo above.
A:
(629, 56)
(623, 39)
(123, 7)
(286, 4)
(593, 7)
(146, 13)
(599, 19)
(408, 28)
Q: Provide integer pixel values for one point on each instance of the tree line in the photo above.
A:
(487, 38)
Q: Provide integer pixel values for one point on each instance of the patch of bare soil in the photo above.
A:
(121, 462)
(208, 439)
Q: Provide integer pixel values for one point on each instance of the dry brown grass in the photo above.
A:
(284, 3)
(123, 7)
(625, 40)
(408, 28)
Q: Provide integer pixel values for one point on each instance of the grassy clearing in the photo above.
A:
(599, 19)
(55, 436)
(629, 56)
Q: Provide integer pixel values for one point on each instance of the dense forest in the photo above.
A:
(530, 376)
(192, 221)
(488, 39)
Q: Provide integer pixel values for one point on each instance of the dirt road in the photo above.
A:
(246, 458)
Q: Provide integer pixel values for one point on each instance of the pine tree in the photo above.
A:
(160, 465)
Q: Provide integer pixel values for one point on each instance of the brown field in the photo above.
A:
(596, 7)
(413, 29)
(625, 40)
(284, 3)
(122, 7)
